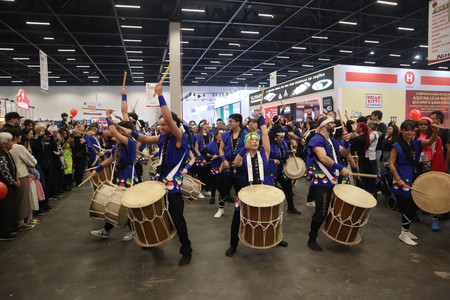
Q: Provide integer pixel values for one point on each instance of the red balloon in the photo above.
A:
(415, 114)
(73, 112)
(3, 190)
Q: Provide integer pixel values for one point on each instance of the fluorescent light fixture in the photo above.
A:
(167, 60)
(249, 32)
(16, 81)
(394, 55)
(138, 73)
(70, 58)
(136, 67)
(405, 28)
(132, 41)
(369, 62)
(204, 73)
(5, 77)
(234, 44)
(33, 66)
(139, 77)
(48, 38)
(134, 51)
(61, 81)
(372, 52)
(187, 29)
(266, 15)
(281, 75)
(323, 59)
(308, 66)
(82, 66)
(292, 71)
(247, 74)
(194, 81)
(348, 23)
(53, 77)
(193, 10)
(371, 42)
(185, 42)
(299, 48)
(200, 78)
(214, 62)
(6, 49)
(283, 57)
(143, 81)
(268, 64)
(443, 68)
(131, 26)
(94, 81)
(234, 82)
(21, 58)
(210, 68)
(257, 69)
(225, 54)
(66, 50)
(346, 51)
(127, 6)
(135, 59)
(262, 82)
(405, 65)
(423, 46)
(387, 2)
(85, 72)
(319, 37)
(417, 56)
(240, 78)
(92, 76)
(39, 23)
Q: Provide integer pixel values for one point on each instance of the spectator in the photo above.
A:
(28, 124)
(79, 155)
(444, 133)
(376, 116)
(12, 119)
(67, 144)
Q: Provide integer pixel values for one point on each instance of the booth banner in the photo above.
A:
(92, 112)
(311, 83)
(373, 100)
(22, 100)
(438, 31)
(270, 112)
(273, 78)
(43, 71)
(327, 103)
(149, 91)
(426, 102)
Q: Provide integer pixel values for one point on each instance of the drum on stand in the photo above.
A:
(106, 204)
(261, 216)
(104, 175)
(431, 192)
(191, 188)
(348, 213)
(291, 170)
(146, 205)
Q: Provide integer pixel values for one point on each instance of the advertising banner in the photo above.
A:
(312, 83)
(426, 102)
(43, 71)
(22, 100)
(149, 91)
(92, 112)
(373, 100)
(273, 78)
(438, 31)
(270, 112)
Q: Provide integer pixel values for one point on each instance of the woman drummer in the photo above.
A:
(404, 166)
(200, 142)
(212, 149)
(279, 153)
(254, 162)
(124, 154)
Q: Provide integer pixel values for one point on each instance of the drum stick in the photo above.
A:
(162, 79)
(124, 79)
(346, 116)
(357, 159)
(95, 161)
(100, 148)
(102, 109)
(364, 175)
(295, 159)
(417, 190)
(262, 97)
(134, 107)
(86, 180)
(78, 131)
(342, 123)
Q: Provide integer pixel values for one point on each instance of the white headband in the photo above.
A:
(281, 134)
(328, 120)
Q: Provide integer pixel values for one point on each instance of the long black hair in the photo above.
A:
(273, 132)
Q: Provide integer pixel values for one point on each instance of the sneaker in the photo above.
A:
(200, 196)
(313, 245)
(128, 236)
(219, 213)
(34, 221)
(404, 237)
(311, 204)
(230, 251)
(435, 225)
(8, 237)
(26, 226)
(101, 233)
(294, 211)
(412, 236)
(184, 260)
(207, 193)
(283, 243)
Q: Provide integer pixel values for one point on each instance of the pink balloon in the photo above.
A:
(415, 114)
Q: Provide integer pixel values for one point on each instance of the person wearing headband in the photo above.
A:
(232, 143)
(200, 142)
(254, 162)
(327, 154)
(279, 153)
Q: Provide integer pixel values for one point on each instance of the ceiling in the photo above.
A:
(87, 43)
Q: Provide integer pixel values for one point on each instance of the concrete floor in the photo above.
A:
(60, 259)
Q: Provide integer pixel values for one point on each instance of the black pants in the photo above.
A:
(139, 171)
(79, 171)
(6, 212)
(311, 193)
(176, 207)
(323, 199)
(370, 183)
(286, 185)
(234, 238)
(204, 175)
(408, 208)
(108, 226)
(215, 181)
(226, 182)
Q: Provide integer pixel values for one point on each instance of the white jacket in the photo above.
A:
(22, 159)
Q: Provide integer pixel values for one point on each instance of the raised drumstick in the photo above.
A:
(162, 79)
(86, 180)
(124, 78)
(102, 109)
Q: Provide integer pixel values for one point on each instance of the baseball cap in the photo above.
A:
(12, 115)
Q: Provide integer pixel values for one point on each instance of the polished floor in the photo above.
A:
(60, 259)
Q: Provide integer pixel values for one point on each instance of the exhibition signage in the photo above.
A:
(373, 100)
(438, 31)
(22, 100)
(43, 71)
(149, 91)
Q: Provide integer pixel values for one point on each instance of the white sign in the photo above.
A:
(92, 112)
(273, 78)
(438, 31)
(44, 71)
(149, 91)
(373, 100)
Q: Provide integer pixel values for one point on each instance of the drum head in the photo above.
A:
(433, 196)
(143, 194)
(259, 195)
(291, 170)
(354, 195)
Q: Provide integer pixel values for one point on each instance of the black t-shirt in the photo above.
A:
(255, 168)
(383, 129)
(444, 134)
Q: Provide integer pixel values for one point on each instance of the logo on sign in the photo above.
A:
(373, 100)
(22, 100)
(409, 77)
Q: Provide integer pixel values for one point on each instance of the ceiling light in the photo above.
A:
(346, 51)
(127, 6)
(38, 23)
(319, 37)
(132, 41)
(167, 60)
(48, 38)
(247, 74)
(53, 77)
(323, 59)
(257, 69)
(82, 66)
(204, 73)
(33, 66)
(131, 26)
(269, 64)
(405, 28)
(387, 2)
(249, 32)
(394, 55)
(240, 78)
(262, 82)
(234, 82)
(210, 68)
(134, 51)
(185, 42)
(423, 46)
(5, 77)
(85, 72)
(70, 58)
(372, 52)
(61, 81)
(193, 10)
(417, 56)
(66, 50)
(215, 62)
(16, 81)
(6, 49)
(299, 48)
(21, 58)
(404, 65)
(194, 81)
(225, 54)
(135, 59)
(200, 77)
(265, 15)
(137, 67)
(283, 57)
(92, 76)
(94, 81)
(281, 75)
(187, 29)
(142, 81)
(308, 66)
(234, 44)
(292, 71)
(138, 77)
(348, 23)
(369, 62)
(138, 73)
(371, 42)
(444, 68)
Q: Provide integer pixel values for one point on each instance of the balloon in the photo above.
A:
(415, 114)
(3, 190)
(73, 112)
